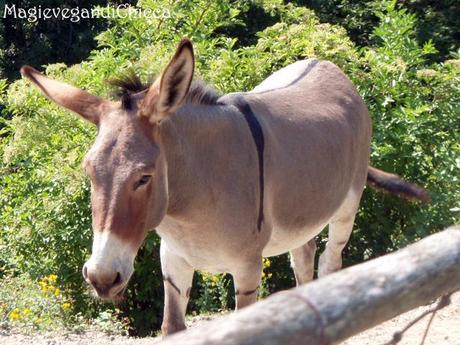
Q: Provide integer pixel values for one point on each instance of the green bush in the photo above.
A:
(28, 305)
(436, 20)
(45, 41)
(33, 305)
(415, 107)
(44, 197)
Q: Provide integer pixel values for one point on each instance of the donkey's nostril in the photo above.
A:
(117, 279)
(85, 272)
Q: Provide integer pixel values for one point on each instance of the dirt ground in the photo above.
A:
(445, 330)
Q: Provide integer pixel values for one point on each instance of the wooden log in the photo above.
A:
(333, 308)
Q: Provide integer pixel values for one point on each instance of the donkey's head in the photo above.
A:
(126, 165)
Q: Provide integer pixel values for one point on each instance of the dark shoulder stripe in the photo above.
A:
(240, 102)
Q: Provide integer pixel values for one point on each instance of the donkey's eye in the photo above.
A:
(144, 180)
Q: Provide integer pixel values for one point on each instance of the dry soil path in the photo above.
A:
(445, 330)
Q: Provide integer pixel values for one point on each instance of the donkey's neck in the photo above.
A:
(203, 145)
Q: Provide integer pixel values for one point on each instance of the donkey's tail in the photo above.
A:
(396, 185)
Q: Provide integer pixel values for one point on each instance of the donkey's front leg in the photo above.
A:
(177, 280)
(246, 280)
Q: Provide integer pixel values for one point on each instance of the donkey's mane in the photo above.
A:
(130, 83)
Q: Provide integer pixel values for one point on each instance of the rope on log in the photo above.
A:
(333, 308)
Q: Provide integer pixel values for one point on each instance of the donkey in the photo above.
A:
(224, 180)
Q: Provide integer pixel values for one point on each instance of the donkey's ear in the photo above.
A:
(170, 90)
(81, 102)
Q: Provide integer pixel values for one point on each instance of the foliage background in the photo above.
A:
(404, 62)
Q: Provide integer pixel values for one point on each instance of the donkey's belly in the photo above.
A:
(284, 240)
(201, 256)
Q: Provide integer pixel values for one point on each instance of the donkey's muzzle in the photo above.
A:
(107, 284)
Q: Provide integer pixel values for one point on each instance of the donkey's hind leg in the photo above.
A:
(303, 262)
(340, 228)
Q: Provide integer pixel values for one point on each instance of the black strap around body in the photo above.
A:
(238, 100)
